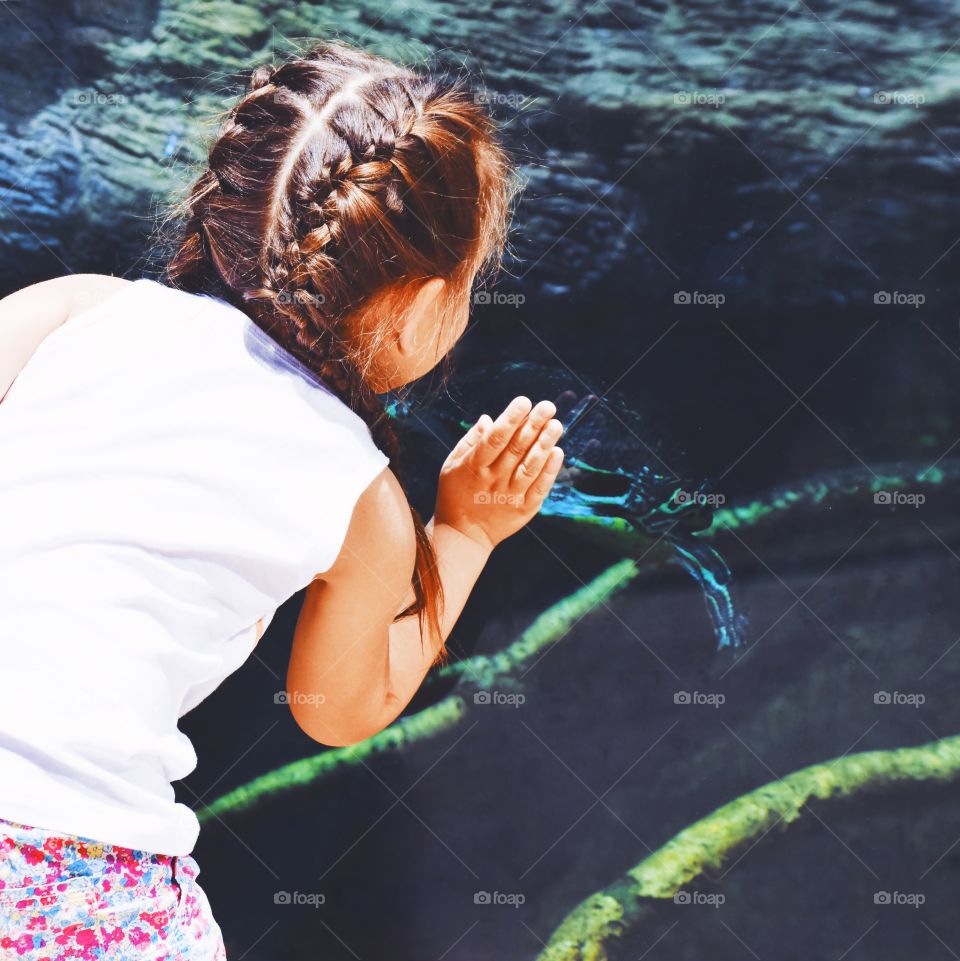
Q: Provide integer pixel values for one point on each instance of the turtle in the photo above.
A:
(619, 476)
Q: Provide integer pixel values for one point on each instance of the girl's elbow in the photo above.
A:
(336, 732)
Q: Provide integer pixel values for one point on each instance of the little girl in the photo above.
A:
(178, 457)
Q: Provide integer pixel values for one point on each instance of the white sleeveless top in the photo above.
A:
(169, 475)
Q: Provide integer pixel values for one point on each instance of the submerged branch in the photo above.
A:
(477, 673)
(597, 922)
(483, 671)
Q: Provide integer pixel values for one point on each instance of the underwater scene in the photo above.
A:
(705, 706)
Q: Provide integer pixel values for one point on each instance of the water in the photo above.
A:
(620, 475)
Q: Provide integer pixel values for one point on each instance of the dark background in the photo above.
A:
(799, 159)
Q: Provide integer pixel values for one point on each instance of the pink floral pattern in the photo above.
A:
(67, 898)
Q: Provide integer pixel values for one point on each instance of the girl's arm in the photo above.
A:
(29, 315)
(353, 669)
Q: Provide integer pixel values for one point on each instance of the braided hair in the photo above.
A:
(339, 181)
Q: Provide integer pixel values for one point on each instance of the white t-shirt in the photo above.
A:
(169, 476)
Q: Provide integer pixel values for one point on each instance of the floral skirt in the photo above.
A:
(66, 897)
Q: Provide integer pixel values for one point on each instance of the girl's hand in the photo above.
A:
(494, 481)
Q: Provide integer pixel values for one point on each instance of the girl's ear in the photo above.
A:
(419, 323)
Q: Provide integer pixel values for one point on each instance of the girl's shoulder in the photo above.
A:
(61, 298)
(85, 292)
(82, 291)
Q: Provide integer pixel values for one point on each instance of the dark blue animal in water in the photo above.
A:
(617, 475)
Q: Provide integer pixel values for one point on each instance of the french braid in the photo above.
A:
(336, 179)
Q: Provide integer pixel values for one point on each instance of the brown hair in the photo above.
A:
(340, 181)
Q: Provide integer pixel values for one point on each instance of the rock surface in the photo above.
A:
(667, 145)
(798, 160)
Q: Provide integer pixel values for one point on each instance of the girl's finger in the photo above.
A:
(541, 486)
(504, 427)
(529, 468)
(526, 436)
(472, 438)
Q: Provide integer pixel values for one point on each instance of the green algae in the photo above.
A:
(836, 487)
(426, 723)
(708, 843)
(587, 932)
(483, 671)
(548, 628)
(478, 673)
(824, 491)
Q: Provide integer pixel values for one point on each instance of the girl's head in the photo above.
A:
(349, 205)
